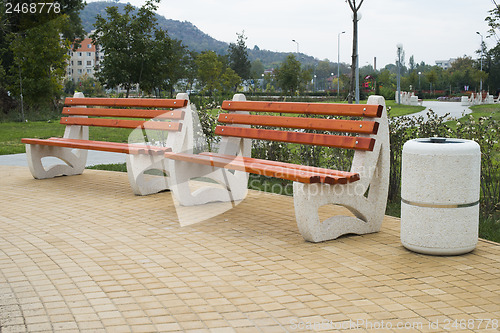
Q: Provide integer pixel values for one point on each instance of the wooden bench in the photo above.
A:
(363, 189)
(156, 127)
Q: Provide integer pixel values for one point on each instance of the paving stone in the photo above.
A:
(83, 253)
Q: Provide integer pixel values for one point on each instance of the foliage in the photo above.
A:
(33, 51)
(135, 50)
(89, 86)
(208, 112)
(403, 129)
(485, 131)
(238, 57)
(290, 77)
(214, 74)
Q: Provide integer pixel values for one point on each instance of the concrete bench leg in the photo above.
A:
(75, 160)
(234, 184)
(308, 198)
(144, 184)
(365, 199)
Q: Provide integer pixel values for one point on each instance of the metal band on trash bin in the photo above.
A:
(420, 204)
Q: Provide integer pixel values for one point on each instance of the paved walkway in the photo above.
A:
(93, 158)
(83, 254)
(454, 109)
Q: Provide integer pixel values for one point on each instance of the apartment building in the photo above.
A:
(83, 60)
(445, 64)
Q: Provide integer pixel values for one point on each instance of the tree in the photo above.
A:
(167, 63)
(135, 50)
(493, 55)
(33, 49)
(214, 74)
(238, 57)
(290, 77)
(432, 77)
(256, 69)
(355, 8)
(124, 39)
(29, 71)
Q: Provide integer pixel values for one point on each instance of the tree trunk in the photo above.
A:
(352, 86)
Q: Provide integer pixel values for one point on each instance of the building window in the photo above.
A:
(79, 54)
(89, 63)
(89, 46)
(79, 71)
(79, 63)
(89, 54)
(89, 70)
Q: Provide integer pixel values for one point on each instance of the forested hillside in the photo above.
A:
(190, 35)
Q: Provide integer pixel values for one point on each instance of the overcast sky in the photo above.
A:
(429, 30)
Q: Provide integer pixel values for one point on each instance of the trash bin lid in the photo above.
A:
(441, 146)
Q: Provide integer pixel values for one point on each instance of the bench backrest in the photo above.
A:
(114, 112)
(368, 135)
(282, 127)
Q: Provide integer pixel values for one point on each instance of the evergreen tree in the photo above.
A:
(238, 57)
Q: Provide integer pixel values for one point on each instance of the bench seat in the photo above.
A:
(114, 147)
(276, 169)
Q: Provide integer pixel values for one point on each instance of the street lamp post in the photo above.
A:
(293, 40)
(357, 62)
(419, 73)
(400, 48)
(481, 82)
(338, 63)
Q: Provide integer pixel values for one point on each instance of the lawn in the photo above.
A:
(12, 133)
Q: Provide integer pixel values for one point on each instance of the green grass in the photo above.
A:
(11, 134)
(397, 110)
(486, 111)
(120, 167)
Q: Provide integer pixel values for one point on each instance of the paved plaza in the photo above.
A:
(84, 254)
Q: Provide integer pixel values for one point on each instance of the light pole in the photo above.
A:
(419, 73)
(293, 40)
(481, 82)
(400, 48)
(338, 63)
(358, 16)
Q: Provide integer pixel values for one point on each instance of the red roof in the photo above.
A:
(86, 46)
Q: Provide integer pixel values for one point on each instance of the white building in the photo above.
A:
(83, 60)
(445, 64)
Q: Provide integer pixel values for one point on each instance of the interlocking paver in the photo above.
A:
(84, 254)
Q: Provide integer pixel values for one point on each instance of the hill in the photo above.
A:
(192, 37)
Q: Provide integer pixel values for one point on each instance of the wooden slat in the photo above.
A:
(260, 169)
(125, 113)
(350, 176)
(355, 110)
(336, 125)
(130, 102)
(338, 141)
(122, 123)
(115, 147)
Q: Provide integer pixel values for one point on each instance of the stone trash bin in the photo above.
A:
(440, 195)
